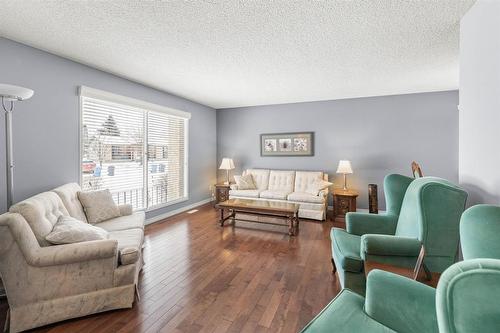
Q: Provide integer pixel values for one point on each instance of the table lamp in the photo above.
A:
(344, 168)
(227, 164)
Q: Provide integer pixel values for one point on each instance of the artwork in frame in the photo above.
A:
(287, 144)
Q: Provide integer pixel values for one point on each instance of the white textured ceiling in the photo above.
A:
(239, 53)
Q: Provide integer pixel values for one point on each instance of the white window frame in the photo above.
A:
(143, 106)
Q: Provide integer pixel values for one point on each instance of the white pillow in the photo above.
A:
(317, 185)
(98, 205)
(245, 182)
(69, 230)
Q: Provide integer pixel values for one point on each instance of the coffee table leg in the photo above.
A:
(233, 215)
(296, 224)
(221, 220)
(291, 228)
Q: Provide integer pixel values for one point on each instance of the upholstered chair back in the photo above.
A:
(281, 181)
(69, 196)
(467, 297)
(41, 212)
(395, 187)
(473, 281)
(260, 177)
(480, 232)
(304, 178)
(431, 212)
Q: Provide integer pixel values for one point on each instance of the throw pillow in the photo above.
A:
(69, 230)
(245, 182)
(317, 185)
(98, 205)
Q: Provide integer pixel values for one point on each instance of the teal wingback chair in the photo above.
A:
(424, 211)
(465, 301)
(346, 244)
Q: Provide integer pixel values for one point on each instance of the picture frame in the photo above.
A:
(287, 144)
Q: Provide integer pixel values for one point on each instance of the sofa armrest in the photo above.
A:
(386, 245)
(364, 223)
(125, 210)
(233, 187)
(73, 253)
(407, 306)
(323, 193)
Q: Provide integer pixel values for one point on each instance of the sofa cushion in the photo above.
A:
(306, 197)
(129, 255)
(260, 178)
(317, 185)
(347, 248)
(69, 230)
(245, 193)
(69, 196)
(42, 212)
(98, 205)
(304, 178)
(282, 181)
(128, 240)
(136, 220)
(245, 182)
(279, 195)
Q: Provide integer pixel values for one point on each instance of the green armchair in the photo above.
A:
(424, 211)
(465, 301)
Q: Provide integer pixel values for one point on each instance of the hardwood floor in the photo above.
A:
(200, 277)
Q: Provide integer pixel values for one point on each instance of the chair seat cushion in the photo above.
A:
(245, 193)
(306, 197)
(344, 314)
(347, 249)
(129, 244)
(136, 220)
(279, 195)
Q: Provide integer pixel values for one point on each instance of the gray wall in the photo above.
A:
(480, 102)
(46, 126)
(380, 135)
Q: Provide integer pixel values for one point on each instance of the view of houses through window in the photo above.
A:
(138, 154)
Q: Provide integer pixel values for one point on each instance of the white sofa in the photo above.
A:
(287, 186)
(48, 283)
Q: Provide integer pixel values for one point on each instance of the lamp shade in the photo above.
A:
(344, 167)
(15, 93)
(227, 164)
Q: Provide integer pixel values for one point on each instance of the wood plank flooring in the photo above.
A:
(200, 277)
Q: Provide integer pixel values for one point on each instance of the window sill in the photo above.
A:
(156, 207)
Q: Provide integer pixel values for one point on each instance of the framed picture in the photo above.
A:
(287, 144)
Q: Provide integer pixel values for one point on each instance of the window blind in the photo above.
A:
(138, 154)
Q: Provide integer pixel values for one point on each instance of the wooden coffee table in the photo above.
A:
(271, 209)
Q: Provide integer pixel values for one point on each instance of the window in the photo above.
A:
(135, 149)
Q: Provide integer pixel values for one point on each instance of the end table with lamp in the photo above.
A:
(222, 189)
(344, 199)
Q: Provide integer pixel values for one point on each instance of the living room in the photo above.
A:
(235, 166)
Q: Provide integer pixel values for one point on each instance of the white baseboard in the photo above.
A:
(176, 211)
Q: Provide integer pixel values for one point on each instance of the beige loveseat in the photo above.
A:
(48, 283)
(287, 186)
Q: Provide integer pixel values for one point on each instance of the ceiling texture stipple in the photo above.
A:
(240, 53)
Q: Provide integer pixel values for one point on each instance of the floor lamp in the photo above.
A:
(8, 95)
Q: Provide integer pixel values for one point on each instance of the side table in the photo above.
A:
(344, 201)
(222, 192)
